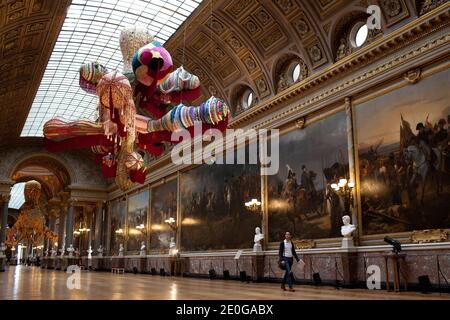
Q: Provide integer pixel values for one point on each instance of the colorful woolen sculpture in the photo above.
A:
(152, 64)
(120, 136)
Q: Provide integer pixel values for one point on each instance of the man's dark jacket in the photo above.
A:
(281, 251)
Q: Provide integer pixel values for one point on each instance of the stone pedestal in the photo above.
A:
(347, 243)
(2, 263)
(58, 262)
(177, 266)
(348, 265)
(68, 261)
(51, 263)
(118, 262)
(86, 262)
(136, 264)
(44, 262)
(97, 263)
(258, 266)
(257, 248)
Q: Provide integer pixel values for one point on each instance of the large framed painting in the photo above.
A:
(214, 216)
(117, 225)
(403, 147)
(163, 207)
(137, 220)
(300, 197)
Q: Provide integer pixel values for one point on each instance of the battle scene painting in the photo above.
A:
(117, 225)
(137, 220)
(301, 199)
(403, 146)
(213, 207)
(163, 207)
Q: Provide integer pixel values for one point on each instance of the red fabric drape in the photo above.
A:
(81, 142)
(138, 176)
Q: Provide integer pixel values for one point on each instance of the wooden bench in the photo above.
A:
(118, 270)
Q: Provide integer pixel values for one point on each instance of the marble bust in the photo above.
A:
(100, 251)
(53, 252)
(347, 231)
(2, 249)
(121, 249)
(258, 237)
(70, 250)
(89, 251)
(172, 246)
(143, 252)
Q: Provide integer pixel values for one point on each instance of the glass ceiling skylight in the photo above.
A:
(17, 197)
(90, 33)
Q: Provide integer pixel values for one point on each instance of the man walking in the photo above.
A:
(287, 254)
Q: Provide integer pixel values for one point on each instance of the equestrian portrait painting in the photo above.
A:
(300, 196)
(404, 161)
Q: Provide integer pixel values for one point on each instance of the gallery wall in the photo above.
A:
(402, 175)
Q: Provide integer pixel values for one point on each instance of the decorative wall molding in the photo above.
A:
(427, 236)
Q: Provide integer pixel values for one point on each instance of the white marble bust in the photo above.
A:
(100, 251)
(143, 252)
(53, 252)
(121, 249)
(347, 229)
(172, 247)
(2, 249)
(70, 250)
(258, 238)
(89, 251)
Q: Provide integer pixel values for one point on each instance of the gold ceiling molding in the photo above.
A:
(28, 32)
(378, 49)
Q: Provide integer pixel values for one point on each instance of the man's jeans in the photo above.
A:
(288, 276)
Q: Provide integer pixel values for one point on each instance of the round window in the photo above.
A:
(249, 100)
(296, 72)
(359, 34)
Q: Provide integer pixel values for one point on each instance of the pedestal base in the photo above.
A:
(50, 263)
(58, 263)
(347, 243)
(118, 263)
(257, 248)
(97, 263)
(258, 263)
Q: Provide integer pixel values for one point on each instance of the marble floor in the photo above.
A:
(32, 283)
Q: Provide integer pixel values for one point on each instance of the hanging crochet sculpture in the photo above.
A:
(30, 226)
(138, 109)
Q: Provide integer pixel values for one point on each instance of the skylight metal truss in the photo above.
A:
(91, 32)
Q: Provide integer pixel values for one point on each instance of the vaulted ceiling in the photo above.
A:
(231, 44)
(228, 43)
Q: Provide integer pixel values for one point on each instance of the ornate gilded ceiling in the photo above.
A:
(240, 43)
(28, 31)
(229, 44)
